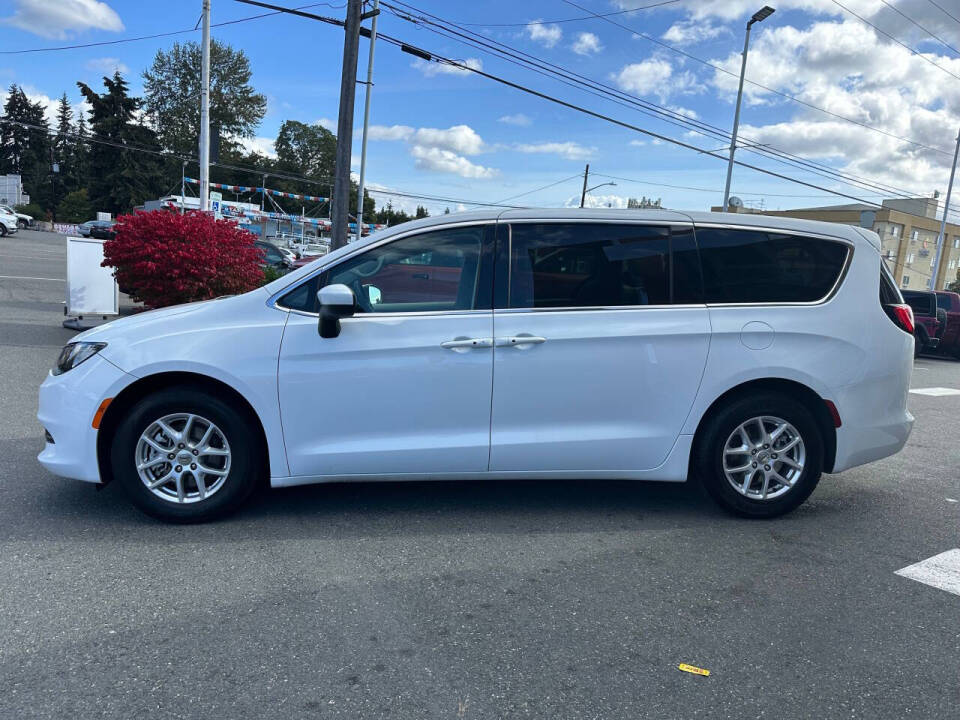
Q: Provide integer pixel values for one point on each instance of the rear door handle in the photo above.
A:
(520, 340)
(465, 343)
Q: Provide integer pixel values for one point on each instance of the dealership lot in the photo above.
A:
(574, 599)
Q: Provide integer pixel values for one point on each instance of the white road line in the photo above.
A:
(935, 391)
(940, 571)
(21, 277)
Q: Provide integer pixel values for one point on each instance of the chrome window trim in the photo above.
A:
(603, 308)
(273, 299)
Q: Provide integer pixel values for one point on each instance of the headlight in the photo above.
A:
(75, 353)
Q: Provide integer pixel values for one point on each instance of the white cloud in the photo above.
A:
(638, 143)
(432, 69)
(391, 132)
(597, 201)
(439, 149)
(518, 119)
(458, 138)
(655, 76)
(262, 145)
(586, 44)
(434, 158)
(566, 150)
(106, 65)
(692, 31)
(60, 18)
(546, 35)
(328, 124)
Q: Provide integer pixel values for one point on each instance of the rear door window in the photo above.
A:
(561, 265)
(754, 266)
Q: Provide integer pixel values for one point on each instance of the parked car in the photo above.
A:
(751, 352)
(103, 230)
(949, 304)
(8, 223)
(23, 220)
(84, 228)
(927, 325)
(273, 256)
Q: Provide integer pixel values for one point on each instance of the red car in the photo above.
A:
(927, 327)
(949, 303)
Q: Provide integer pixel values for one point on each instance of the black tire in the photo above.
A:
(246, 461)
(713, 435)
(22, 224)
(3, 230)
(920, 339)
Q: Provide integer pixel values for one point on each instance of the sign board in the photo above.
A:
(216, 196)
(215, 208)
(103, 216)
(91, 289)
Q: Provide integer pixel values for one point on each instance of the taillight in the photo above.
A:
(902, 316)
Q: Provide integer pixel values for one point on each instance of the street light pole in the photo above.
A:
(942, 239)
(205, 111)
(366, 116)
(583, 194)
(762, 14)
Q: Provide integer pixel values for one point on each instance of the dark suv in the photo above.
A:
(929, 321)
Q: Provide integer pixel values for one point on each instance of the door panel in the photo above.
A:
(606, 390)
(405, 387)
(384, 396)
(602, 340)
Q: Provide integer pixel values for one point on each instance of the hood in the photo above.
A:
(149, 319)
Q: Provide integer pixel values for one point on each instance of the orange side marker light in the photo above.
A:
(98, 415)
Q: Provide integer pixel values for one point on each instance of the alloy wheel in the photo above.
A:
(763, 458)
(183, 458)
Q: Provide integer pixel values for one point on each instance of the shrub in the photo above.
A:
(162, 258)
(74, 208)
(33, 210)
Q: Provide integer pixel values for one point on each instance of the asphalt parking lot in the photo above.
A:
(466, 600)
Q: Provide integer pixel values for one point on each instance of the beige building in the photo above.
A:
(908, 232)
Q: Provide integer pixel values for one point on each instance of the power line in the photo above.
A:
(903, 45)
(779, 93)
(566, 20)
(604, 91)
(157, 35)
(713, 191)
(545, 187)
(940, 8)
(928, 32)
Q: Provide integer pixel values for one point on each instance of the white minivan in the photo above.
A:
(751, 352)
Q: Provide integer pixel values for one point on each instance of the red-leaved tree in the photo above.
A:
(163, 258)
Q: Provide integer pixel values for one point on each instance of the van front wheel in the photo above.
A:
(760, 456)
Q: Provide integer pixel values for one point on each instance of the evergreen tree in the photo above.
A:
(80, 154)
(62, 151)
(120, 178)
(25, 144)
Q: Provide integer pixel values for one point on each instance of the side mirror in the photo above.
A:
(336, 301)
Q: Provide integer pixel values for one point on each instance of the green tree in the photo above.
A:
(75, 207)
(78, 172)
(421, 212)
(62, 152)
(172, 95)
(120, 178)
(308, 150)
(25, 144)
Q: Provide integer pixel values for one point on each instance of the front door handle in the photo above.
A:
(461, 344)
(520, 341)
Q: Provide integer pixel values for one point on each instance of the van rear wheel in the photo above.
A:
(760, 456)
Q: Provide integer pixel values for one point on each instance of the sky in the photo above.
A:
(880, 103)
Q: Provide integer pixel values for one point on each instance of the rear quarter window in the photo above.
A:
(752, 266)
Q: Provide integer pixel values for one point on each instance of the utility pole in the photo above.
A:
(183, 187)
(348, 92)
(583, 194)
(205, 112)
(366, 116)
(942, 238)
(762, 14)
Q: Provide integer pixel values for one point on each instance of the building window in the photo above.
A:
(895, 230)
(906, 280)
(956, 242)
(914, 235)
(909, 258)
(952, 265)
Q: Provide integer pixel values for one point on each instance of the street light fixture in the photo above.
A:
(759, 16)
(588, 190)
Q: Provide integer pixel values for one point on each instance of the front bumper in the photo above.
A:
(68, 403)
